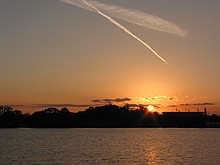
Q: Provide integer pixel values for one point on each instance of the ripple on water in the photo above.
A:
(110, 146)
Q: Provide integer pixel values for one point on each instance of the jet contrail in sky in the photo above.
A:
(133, 16)
(125, 30)
(130, 15)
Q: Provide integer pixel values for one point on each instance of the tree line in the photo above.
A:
(107, 116)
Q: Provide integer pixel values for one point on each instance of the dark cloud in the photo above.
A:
(197, 104)
(60, 105)
(108, 100)
(15, 105)
(96, 101)
(117, 100)
(204, 104)
(156, 106)
(133, 105)
(172, 106)
(122, 99)
(184, 104)
(191, 104)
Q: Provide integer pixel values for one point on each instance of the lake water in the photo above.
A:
(110, 146)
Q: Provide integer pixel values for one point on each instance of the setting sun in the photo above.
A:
(150, 107)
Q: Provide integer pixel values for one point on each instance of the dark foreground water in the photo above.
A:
(110, 146)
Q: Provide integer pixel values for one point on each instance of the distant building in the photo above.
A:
(183, 119)
(184, 114)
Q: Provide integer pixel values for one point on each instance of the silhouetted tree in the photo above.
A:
(10, 117)
(64, 110)
(104, 116)
(5, 109)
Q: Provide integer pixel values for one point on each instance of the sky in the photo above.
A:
(54, 54)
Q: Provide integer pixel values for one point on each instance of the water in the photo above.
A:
(110, 146)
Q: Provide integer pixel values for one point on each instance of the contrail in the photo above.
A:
(125, 30)
(118, 25)
(131, 15)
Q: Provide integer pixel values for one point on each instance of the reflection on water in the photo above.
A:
(110, 146)
(151, 154)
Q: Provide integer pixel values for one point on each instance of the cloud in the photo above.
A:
(172, 106)
(197, 104)
(121, 99)
(191, 104)
(96, 101)
(130, 15)
(13, 105)
(60, 105)
(159, 97)
(133, 105)
(109, 101)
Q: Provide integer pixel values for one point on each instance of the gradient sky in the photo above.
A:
(55, 53)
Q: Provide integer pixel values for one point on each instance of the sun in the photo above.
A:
(150, 107)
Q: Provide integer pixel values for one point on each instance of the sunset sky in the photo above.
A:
(57, 54)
